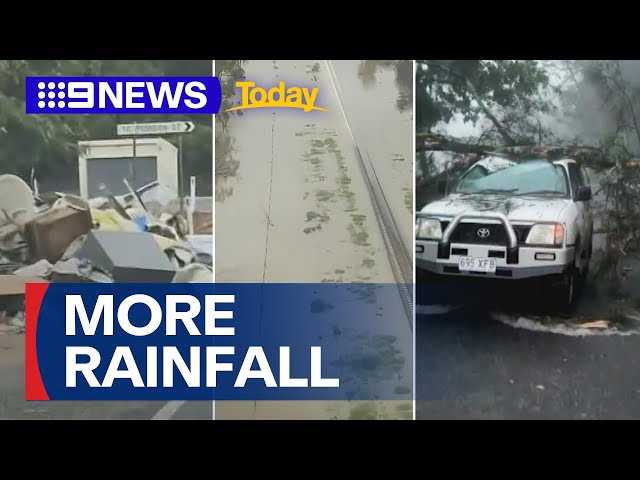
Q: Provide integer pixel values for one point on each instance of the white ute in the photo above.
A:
(511, 220)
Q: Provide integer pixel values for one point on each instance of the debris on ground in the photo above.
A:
(142, 236)
(595, 324)
(18, 320)
(131, 257)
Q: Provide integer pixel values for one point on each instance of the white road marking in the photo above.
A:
(168, 410)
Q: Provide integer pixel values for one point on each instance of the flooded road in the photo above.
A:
(297, 186)
(293, 205)
(378, 100)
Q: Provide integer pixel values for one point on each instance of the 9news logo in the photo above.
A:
(51, 94)
(127, 95)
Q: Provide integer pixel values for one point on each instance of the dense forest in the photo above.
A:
(48, 143)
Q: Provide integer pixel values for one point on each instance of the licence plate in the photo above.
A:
(472, 264)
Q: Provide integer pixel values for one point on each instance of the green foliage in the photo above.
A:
(508, 92)
(45, 142)
(228, 72)
(603, 99)
(226, 165)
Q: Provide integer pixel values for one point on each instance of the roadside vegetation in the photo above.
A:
(48, 143)
(229, 72)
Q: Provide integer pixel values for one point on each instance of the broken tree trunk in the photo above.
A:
(589, 156)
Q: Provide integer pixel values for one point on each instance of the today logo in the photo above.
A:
(277, 97)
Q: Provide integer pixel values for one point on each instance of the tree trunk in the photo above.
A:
(588, 156)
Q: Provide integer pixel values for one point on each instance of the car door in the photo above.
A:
(576, 180)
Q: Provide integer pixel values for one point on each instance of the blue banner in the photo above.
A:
(122, 95)
(217, 341)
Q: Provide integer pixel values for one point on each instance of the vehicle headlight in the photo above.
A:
(551, 234)
(428, 228)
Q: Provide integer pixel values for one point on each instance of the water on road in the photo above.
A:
(293, 205)
(479, 358)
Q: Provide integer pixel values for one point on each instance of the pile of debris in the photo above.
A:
(145, 236)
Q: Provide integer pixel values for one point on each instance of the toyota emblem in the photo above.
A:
(484, 232)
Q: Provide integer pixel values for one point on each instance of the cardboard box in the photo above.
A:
(49, 233)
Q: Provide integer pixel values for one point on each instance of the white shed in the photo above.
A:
(108, 162)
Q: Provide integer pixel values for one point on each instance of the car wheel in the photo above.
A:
(568, 289)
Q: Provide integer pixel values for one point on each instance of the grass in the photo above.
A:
(319, 151)
(369, 262)
(324, 195)
(408, 199)
(358, 237)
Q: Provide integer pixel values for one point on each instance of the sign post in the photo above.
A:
(163, 128)
(132, 165)
(192, 204)
(180, 175)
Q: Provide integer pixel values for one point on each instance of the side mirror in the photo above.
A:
(584, 194)
(442, 187)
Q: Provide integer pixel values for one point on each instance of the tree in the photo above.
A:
(505, 98)
(509, 94)
(594, 120)
(228, 72)
(226, 165)
(602, 103)
(49, 142)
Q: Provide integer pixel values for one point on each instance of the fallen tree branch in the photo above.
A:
(589, 156)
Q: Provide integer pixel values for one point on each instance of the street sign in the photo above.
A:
(165, 128)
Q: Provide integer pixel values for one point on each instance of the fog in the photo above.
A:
(585, 108)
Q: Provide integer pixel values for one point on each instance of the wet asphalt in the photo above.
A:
(471, 366)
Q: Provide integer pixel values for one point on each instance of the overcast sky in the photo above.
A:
(457, 127)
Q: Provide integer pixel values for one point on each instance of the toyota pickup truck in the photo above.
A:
(511, 220)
